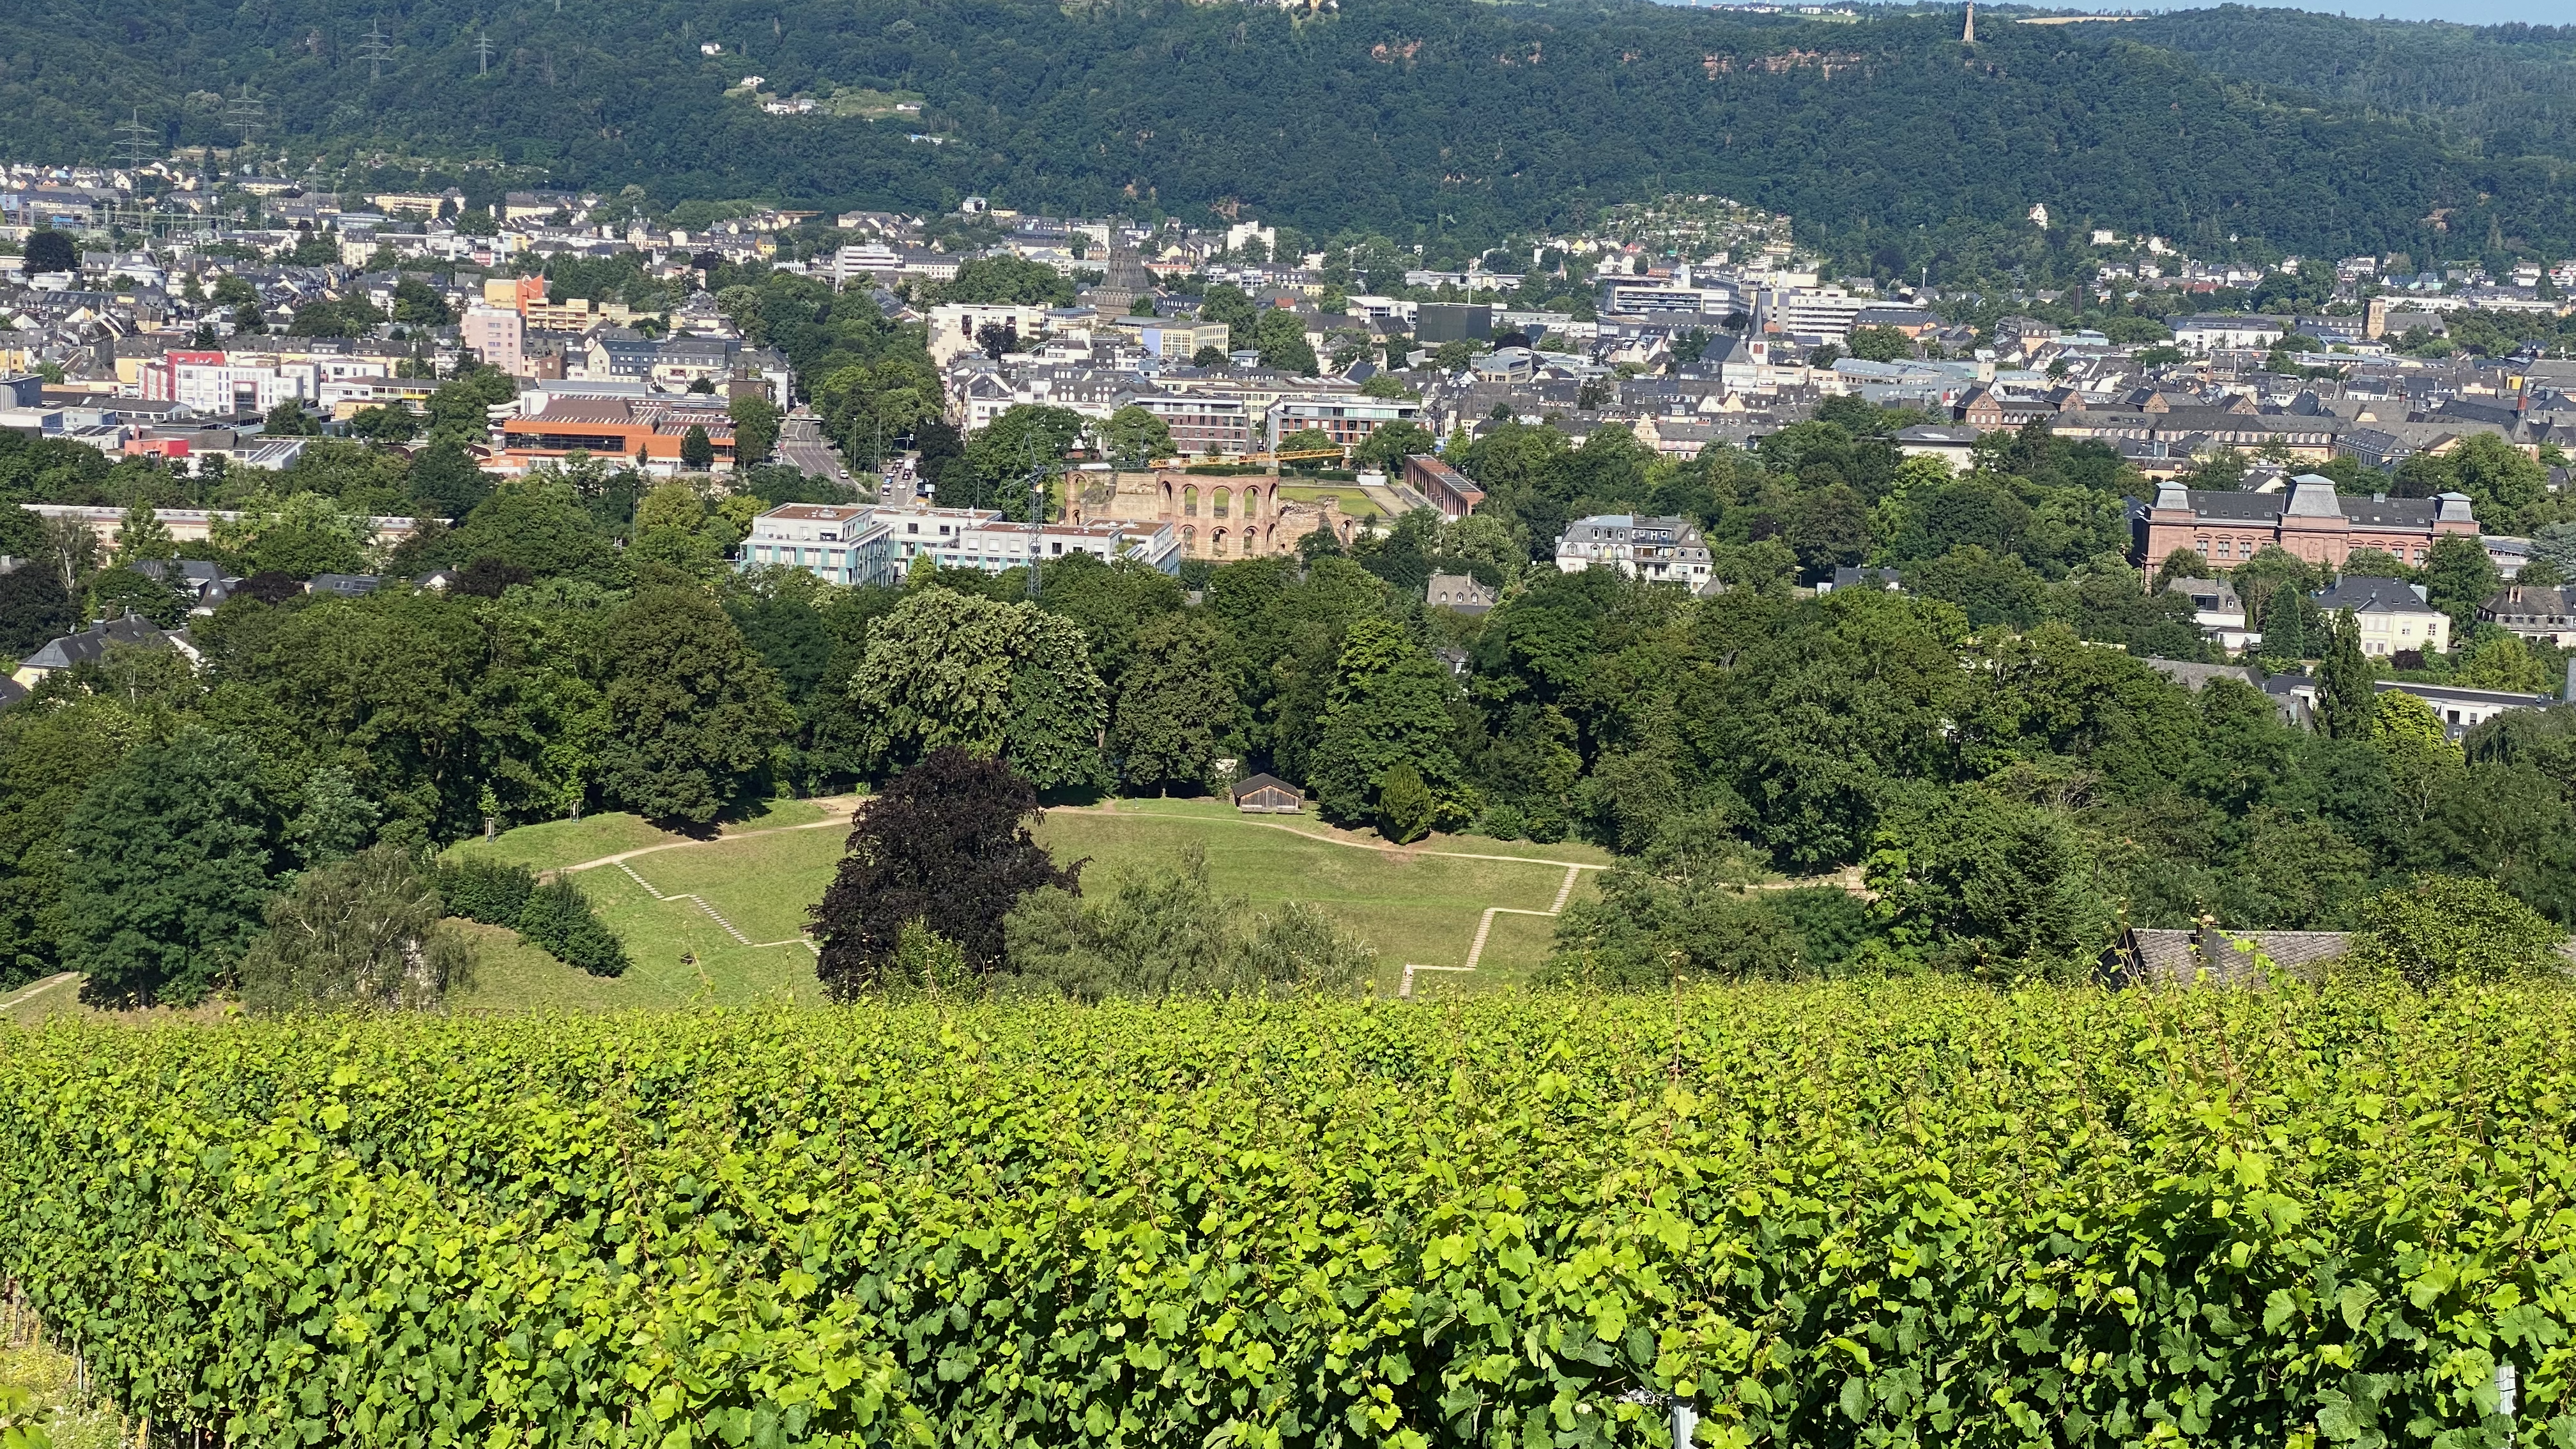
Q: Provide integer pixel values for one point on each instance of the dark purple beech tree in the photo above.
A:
(946, 843)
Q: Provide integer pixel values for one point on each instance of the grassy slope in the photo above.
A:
(1413, 906)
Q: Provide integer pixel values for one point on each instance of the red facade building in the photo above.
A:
(2308, 519)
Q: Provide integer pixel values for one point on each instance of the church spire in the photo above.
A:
(1969, 36)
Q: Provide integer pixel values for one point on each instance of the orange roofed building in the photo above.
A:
(644, 430)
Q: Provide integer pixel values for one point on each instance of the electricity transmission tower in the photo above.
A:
(245, 112)
(483, 54)
(137, 143)
(374, 51)
(1039, 473)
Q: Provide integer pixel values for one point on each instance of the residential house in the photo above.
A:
(1462, 593)
(2541, 615)
(1849, 576)
(2462, 710)
(1346, 418)
(2218, 612)
(2392, 616)
(1955, 446)
(1662, 550)
(92, 643)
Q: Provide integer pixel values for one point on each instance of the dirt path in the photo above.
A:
(1328, 839)
(49, 984)
(836, 815)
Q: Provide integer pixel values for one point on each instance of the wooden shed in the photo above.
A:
(1268, 795)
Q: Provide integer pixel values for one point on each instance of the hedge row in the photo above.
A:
(1831, 1215)
(552, 915)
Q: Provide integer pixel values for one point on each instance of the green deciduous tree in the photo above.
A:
(755, 428)
(119, 591)
(142, 536)
(697, 451)
(301, 535)
(50, 752)
(166, 871)
(34, 607)
(954, 670)
(1173, 706)
(362, 932)
(692, 712)
(445, 480)
(1880, 344)
(1134, 437)
(1004, 281)
(1281, 337)
(1388, 706)
(1994, 888)
(1392, 443)
(2458, 576)
(1679, 910)
(2453, 928)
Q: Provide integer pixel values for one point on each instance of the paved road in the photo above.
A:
(801, 443)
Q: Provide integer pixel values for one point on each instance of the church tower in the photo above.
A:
(1969, 36)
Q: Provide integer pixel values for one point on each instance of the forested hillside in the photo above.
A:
(1417, 118)
(2508, 90)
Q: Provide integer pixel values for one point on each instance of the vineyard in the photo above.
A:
(1830, 1215)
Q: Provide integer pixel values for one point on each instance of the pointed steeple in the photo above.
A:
(1969, 35)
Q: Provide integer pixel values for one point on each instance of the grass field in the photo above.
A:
(1355, 504)
(1415, 906)
(766, 869)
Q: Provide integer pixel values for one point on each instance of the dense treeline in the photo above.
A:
(1987, 747)
(1423, 119)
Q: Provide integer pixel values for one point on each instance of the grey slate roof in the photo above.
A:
(2176, 958)
(92, 642)
(2193, 676)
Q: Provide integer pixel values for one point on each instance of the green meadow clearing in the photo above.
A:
(1419, 905)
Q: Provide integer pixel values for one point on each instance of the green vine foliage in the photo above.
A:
(1826, 1215)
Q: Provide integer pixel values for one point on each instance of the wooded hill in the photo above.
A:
(1421, 119)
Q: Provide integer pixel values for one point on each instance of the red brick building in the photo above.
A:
(2308, 519)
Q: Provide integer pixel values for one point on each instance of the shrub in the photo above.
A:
(2449, 928)
(1167, 932)
(558, 918)
(554, 916)
(486, 890)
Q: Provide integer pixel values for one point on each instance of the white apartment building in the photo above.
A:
(1825, 312)
(953, 326)
(875, 544)
(1660, 550)
(838, 542)
(224, 383)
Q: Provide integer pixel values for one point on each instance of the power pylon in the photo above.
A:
(483, 54)
(246, 113)
(375, 51)
(137, 143)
